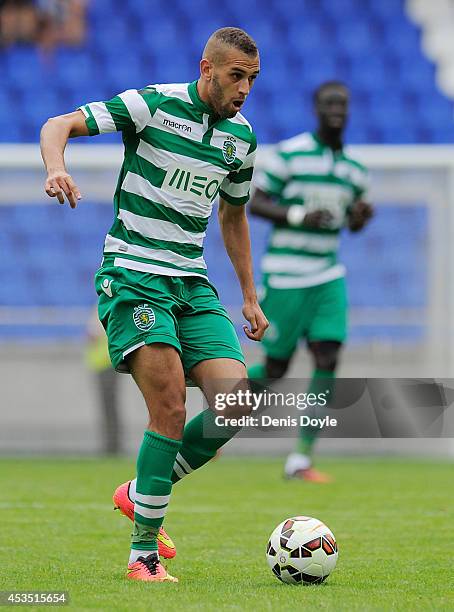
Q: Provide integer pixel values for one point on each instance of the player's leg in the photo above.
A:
(206, 334)
(300, 463)
(282, 307)
(158, 372)
(276, 368)
(202, 437)
(326, 333)
(134, 322)
(210, 350)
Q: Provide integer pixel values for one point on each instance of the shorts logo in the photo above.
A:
(229, 149)
(144, 317)
(106, 286)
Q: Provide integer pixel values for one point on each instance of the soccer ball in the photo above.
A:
(302, 550)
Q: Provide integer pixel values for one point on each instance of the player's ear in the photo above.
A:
(206, 68)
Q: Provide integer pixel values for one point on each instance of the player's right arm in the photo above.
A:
(54, 136)
(128, 111)
(271, 181)
(263, 205)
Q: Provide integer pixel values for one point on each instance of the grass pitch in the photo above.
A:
(392, 519)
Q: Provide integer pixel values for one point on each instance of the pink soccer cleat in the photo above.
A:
(311, 475)
(149, 569)
(122, 502)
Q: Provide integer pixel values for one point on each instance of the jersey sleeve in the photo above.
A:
(272, 175)
(130, 110)
(235, 188)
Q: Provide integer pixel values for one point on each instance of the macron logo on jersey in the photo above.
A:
(177, 126)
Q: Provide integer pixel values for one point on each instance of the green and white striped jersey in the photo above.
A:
(302, 170)
(178, 157)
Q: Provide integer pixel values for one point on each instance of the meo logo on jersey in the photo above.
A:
(229, 149)
(183, 181)
(144, 317)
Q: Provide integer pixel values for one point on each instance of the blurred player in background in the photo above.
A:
(309, 188)
(184, 145)
(106, 381)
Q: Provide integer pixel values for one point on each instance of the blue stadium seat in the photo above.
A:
(386, 9)
(9, 130)
(339, 9)
(435, 112)
(357, 37)
(403, 39)
(314, 73)
(369, 74)
(309, 39)
(398, 134)
(444, 135)
(24, 65)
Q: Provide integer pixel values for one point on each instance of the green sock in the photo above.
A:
(257, 370)
(322, 381)
(201, 440)
(154, 469)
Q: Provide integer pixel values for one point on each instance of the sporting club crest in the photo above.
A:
(144, 317)
(229, 149)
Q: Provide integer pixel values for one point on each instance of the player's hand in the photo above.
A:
(257, 320)
(60, 184)
(318, 219)
(359, 215)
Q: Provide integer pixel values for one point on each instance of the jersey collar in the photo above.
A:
(196, 100)
(338, 152)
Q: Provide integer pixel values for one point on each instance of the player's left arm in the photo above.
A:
(361, 211)
(235, 232)
(359, 215)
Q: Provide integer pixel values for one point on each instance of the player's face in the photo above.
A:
(231, 81)
(332, 108)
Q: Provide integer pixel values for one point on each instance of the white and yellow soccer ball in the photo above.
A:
(302, 550)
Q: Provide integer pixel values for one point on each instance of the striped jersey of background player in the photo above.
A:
(309, 189)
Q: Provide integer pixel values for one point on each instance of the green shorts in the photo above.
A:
(138, 308)
(315, 313)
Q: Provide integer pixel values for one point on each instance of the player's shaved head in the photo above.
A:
(226, 39)
(331, 100)
(228, 68)
(327, 86)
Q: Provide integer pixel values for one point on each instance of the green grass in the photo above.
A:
(392, 519)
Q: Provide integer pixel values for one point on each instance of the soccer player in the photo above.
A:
(184, 145)
(309, 188)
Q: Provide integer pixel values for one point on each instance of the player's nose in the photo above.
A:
(244, 87)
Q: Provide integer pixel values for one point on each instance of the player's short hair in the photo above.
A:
(236, 38)
(327, 85)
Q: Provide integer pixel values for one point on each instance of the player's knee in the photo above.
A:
(326, 362)
(276, 368)
(325, 354)
(173, 411)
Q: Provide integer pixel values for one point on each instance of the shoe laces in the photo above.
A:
(151, 563)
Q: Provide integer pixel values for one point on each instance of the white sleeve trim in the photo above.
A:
(137, 108)
(102, 117)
